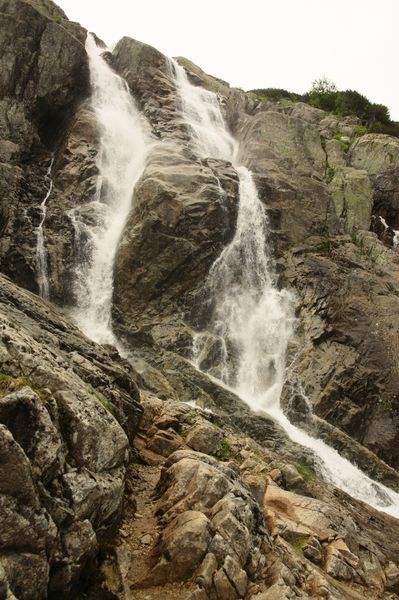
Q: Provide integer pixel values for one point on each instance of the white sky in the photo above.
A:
(264, 43)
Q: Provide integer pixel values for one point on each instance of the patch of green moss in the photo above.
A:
(322, 230)
(305, 472)
(324, 247)
(330, 172)
(190, 418)
(9, 384)
(296, 540)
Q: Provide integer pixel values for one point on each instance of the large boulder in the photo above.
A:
(375, 152)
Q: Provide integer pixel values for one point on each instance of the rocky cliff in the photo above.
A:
(110, 482)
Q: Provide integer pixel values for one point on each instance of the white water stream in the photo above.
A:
(395, 241)
(41, 250)
(252, 319)
(124, 145)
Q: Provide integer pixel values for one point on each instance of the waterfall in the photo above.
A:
(41, 251)
(252, 320)
(395, 239)
(99, 224)
(202, 114)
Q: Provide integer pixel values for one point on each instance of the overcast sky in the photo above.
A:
(264, 43)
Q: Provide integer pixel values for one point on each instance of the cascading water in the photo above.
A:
(202, 114)
(395, 240)
(98, 225)
(41, 251)
(252, 320)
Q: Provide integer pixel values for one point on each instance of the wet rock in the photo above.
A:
(386, 197)
(39, 98)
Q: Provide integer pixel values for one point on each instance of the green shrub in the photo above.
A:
(226, 451)
(276, 94)
(324, 95)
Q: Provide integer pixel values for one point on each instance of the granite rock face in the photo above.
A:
(68, 409)
(44, 77)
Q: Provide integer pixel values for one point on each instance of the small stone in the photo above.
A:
(292, 479)
(392, 577)
(276, 475)
(313, 550)
(146, 540)
(166, 422)
(198, 594)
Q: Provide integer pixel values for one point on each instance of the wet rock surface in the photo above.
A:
(39, 97)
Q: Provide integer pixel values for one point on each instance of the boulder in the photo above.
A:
(375, 152)
(205, 438)
(353, 198)
(212, 525)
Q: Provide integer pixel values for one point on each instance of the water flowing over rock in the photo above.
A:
(242, 254)
(99, 224)
(242, 290)
(41, 251)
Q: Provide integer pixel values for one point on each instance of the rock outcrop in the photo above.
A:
(44, 78)
(68, 409)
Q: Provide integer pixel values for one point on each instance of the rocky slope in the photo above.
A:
(68, 410)
(213, 504)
